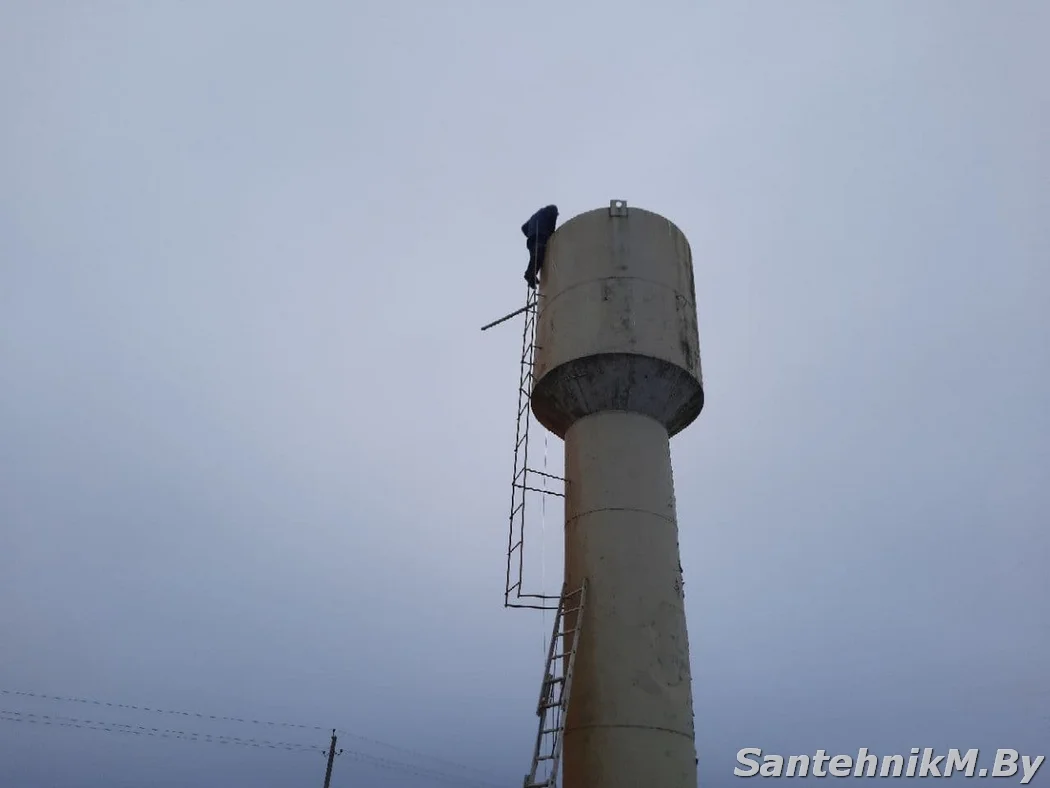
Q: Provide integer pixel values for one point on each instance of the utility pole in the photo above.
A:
(331, 759)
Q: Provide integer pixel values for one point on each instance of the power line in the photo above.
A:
(248, 721)
(12, 715)
(154, 710)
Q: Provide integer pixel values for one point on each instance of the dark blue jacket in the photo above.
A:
(541, 224)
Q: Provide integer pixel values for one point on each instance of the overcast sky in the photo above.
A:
(255, 454)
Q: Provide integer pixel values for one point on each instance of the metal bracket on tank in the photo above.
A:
(617, 207)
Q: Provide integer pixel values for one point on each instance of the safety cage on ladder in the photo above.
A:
(526, 479)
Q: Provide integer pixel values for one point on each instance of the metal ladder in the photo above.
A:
(514, 594)
(553, 706)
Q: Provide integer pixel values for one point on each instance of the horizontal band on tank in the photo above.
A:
(549, 299)
(578, 515)
(688, 734)
(617, 381)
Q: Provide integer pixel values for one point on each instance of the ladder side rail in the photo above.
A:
(544, 706)
(551, 651)
(568, 673)
(529, 341)
(556, 690)
(516, 506)
(519, 483)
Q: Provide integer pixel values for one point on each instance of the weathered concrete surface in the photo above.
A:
(631, 711)
(617, 322)
(617, 381)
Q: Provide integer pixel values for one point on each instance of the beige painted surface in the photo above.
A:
(630, 716)
(617, 328)
(617, 284)
(617, 370)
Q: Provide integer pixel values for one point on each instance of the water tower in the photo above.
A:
(616, 373)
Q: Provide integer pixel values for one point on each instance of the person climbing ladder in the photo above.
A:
(538, 230)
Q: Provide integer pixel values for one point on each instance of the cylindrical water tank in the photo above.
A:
(617, 326)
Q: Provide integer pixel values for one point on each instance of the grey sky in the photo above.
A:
(255, 454)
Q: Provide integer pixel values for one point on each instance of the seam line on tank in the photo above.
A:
(635, 727)
(547, 301)
(604, 411)
(578, 515)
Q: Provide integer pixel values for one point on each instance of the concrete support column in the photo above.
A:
(630, 719)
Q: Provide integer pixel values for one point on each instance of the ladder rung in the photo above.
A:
(539, 490)
(548, 475)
